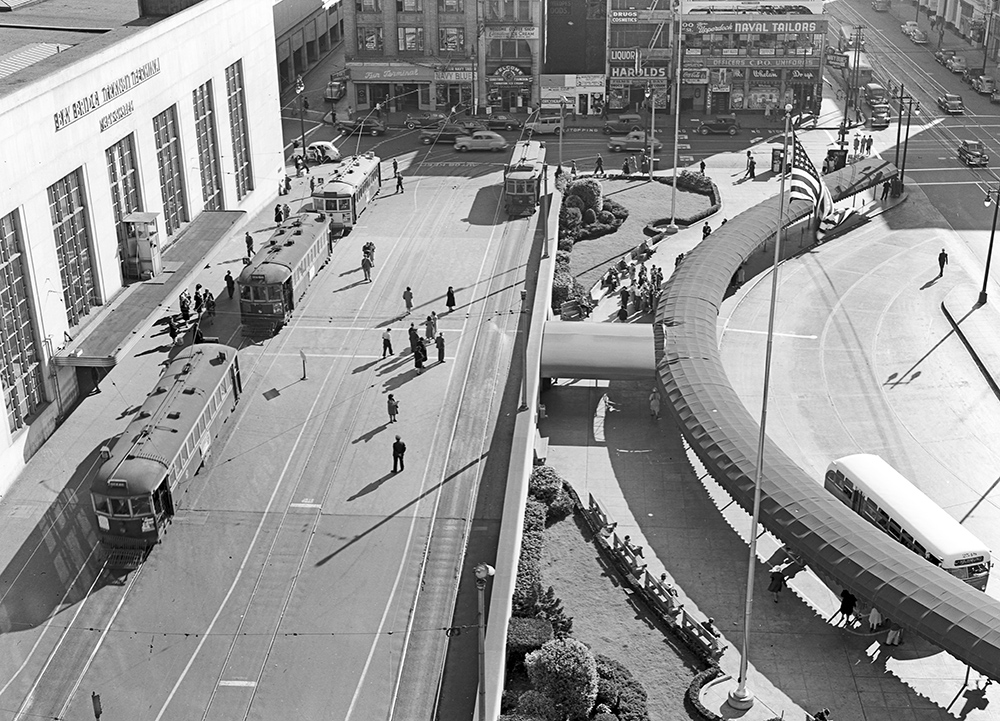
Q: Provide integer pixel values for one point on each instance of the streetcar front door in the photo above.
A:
(163, 503)
(286, 289)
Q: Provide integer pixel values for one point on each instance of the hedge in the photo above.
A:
(537, 704)
(566, 672)
(526, 634)
(620, 690)
(528, 585)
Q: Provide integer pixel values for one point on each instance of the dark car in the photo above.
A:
(951, 104)
(449, 132)
(727, 124)
(501, 121)
(970, 74)
(943, 56)
(624, 124)
(366, 126)
(424, 120)
(973, 153)
(470, 126)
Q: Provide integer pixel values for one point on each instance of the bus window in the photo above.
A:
(141, 506)
(101, 504)
(119, 507)
(871, 511)
(907, 539)
(919, 549)
(883, 518)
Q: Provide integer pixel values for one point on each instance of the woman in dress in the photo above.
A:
(450, 299)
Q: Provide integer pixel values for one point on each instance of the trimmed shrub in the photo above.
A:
(589, 191)
(565, 244)
(574, 201)
(508, 699)
(606, 217)
(620, 690)
(615, 208)
(565, 287)
(562, 506)
(562, 256)
(605, 717)
(527, 634)
(534, 703)
(561, 182)
(569, 218)
(565, 671)
(688, 180)
(544, 484)
(589, 216)
(551, 609)
(527, 587)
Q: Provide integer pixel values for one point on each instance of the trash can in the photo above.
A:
(776, 159)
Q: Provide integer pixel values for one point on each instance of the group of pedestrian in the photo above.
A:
(281, 213)
(301, 166)
(449, 296)
(751, 166)
(863, 145)
(285, 186)
(641, 293)
(195, 309)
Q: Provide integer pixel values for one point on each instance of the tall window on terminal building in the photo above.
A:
(125, 198)
(20, 368)
(239, 128)
(69, 225)
(208, 153)
(168, 158)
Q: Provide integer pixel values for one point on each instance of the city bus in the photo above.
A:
(880, 494)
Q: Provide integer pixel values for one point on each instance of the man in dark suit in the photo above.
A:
(398, 450)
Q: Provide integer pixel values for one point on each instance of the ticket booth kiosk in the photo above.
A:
(142, 245)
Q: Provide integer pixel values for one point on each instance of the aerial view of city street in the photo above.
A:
(532, 360)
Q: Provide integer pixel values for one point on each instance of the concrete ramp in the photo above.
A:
(598, 351)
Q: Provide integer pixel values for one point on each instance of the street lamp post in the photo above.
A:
(483, 572)
(651, 97)
(562, 125)
(678, 37)
(992, 196)
(910, 112)
(300, 87)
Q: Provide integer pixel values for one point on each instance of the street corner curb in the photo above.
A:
(953, 306)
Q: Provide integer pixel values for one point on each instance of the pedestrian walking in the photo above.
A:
(249, 240)
(857, 142)
(625, 168)
(777, 582)
(369, 248)
(450, 299)
(366, 267)
(386, 342)
(752, 170)
(209, 303)
(599, 166)
(419, 357)
(848, 604)
(395, 167)
(230, 283)
(701, 166)
(431, 326)
(185, 305)
(572, 169)
(414, 337)
(298, 167)
(398, 451)
(942, 262)
(172, 330)
(749, 158)
(408, 299)
(199, 300)
(399, 183)
(886, 188)
(312, 184)
(285, 212)
(874, 619)
(895, 635)
(439, 342)
(678, 260)
(288, 185)
(868, 145)
(622, 314)
(392, 405)
(654, 404)
(706, 230)
(277, 214)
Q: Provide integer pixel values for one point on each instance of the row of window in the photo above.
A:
(498, 10)
(320, 246)
(411, 39)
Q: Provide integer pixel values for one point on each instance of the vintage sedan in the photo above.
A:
(943, 55)
(919, 37)
(973, 153)
(365, 126)
(636, 140)
(424, 120)
(321, 151)
(625, 123)
(445, 132)
(881, 116)
(501, 121)
(951, 104)
(727, 124)
(984, 85)
(908, 27)
(482, 140)
(957, 64)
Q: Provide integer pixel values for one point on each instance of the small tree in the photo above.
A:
(589, 191)
(534, 703)
(565, 671)
(545, 485)
(551, 609)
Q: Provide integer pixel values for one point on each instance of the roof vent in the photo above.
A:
(174, 415)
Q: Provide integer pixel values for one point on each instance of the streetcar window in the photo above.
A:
(275, 292)
(101, 504)
(119, 507)
(872, 512)
(919, 549)
(894, 529)
(245, 292)
(260, 292)
(344, 204)
(907, 540)
(141, 506)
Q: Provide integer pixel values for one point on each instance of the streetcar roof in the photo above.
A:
(274, 262)
(142, 454)
(344, 179)
(926, 521)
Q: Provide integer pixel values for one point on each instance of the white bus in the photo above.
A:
(878, 493)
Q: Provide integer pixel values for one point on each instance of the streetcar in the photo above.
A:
(523, 177)
(165, 444)
(279, 273)
(347, 190)
(881, 495)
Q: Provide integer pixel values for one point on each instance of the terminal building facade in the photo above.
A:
(154, 112)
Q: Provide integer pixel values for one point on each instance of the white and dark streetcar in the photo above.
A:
(524, 177)
(346, 191)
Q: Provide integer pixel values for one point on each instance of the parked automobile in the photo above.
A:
(625, 123)
(995, 96)
(424, 120)
(720, 124)
(880, 6)
(881, 116)
(919, 37)
(322, 151)
(957, 64)
(973, 153)
(943, 55)
(365, 126)
(951, 104)
(445, 132)
(984, 85)
(496, 121)
(874, 93)
(636, 140)
(909, 26)
(970, 74)
(335, 90)
(481, 140)
(544, 125)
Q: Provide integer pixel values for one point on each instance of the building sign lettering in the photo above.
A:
(624, 16)
(763, 27)
(623, 55)
(769, 74)
(793, 62)
(102, 96)
(694, 76)
(453, 76)
(119, 113)
(511, 32)
(630, 72)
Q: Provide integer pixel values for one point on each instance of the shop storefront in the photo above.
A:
(453, 88)
(508, 88)
(695, 95)
(401, 86)
(584, 94)
(627, 87)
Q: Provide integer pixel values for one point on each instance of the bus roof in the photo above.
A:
(925, 520)
(154, 436)
(282, 252)
(344, 179)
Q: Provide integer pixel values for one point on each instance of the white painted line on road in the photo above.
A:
(764, 332)
(683, 146)
(305, 505)
(241, 684)
(362, 327)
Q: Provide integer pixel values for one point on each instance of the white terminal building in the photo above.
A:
(134, 135)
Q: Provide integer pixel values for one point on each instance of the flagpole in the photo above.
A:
(742, 697)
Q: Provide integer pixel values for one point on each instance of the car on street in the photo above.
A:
(365, 126)
(446, 133)
(321, 151)
(973, 153)
(424, 120)
(501, 121)
(908, 27)
(881, 116)
(727, 124)
(481, 140)
(880, 6)
(943, 55)
(874, 93)
(919, 37)
(624, 123)
(984, 85)
(957, 64)
(970, 74)
(995, 97)
(951, 104)
(636, 140)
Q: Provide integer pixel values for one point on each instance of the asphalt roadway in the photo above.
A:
(301, 577)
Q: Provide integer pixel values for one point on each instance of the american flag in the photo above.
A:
(806, 183)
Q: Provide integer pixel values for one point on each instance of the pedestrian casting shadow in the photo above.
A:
(398, 381)
(40, 580)
(487, 209)
(931, 282)
(365, 437)
(365, 366)
(352, 271)
(371, 487)
(355, 284)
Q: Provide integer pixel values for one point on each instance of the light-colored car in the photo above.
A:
(636, 140)
(481, 140)
(909, 26)
(919, 37)
(544, 125)
(951, 104)
(984, 85)
(957, 63)
(322, 151)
